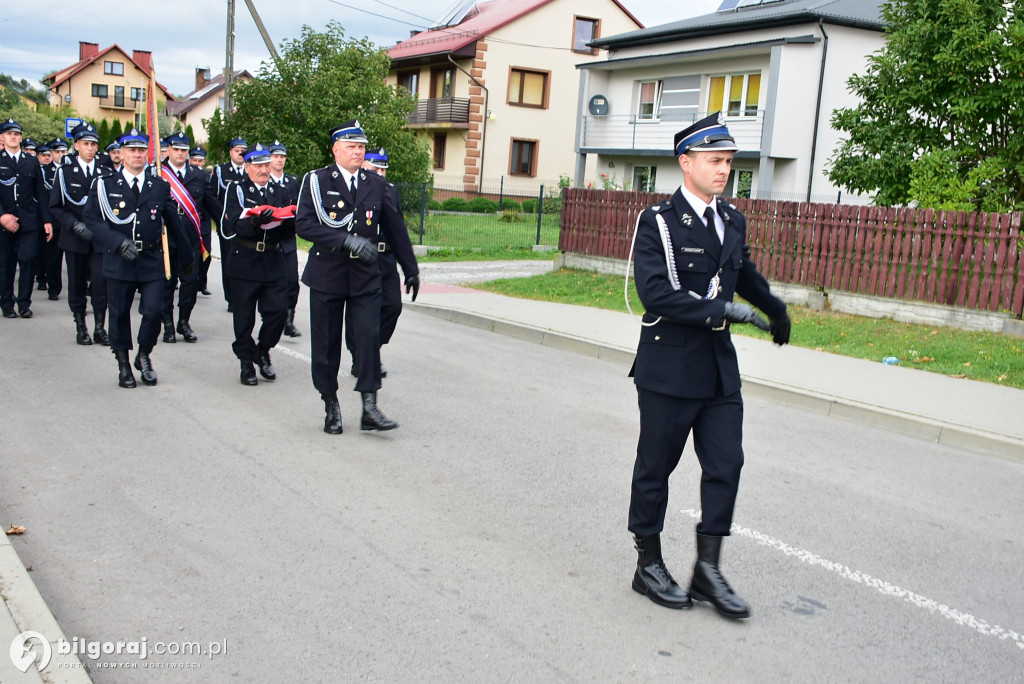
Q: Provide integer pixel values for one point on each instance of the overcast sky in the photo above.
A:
(41, 36)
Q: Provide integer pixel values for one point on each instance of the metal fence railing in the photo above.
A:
(498, 216)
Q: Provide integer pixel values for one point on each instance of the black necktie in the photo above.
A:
(709, 216)
(135, 187)
(88, 172)
(352, 187)
(181, 175)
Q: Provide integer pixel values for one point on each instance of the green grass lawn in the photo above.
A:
(984, 356)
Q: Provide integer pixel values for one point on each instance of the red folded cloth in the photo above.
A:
(280, 214)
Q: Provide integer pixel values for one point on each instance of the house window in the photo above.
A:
(119, 96)
(645, 178)
(528, 88)
(585, 30)
(440, 141)
(138, 94)
(523, 158)
(99, 90)
(649, 104)
(410, 80)
(442, 83)
(736, 94)
(113, 68)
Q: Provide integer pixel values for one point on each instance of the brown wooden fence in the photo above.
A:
(945, 257)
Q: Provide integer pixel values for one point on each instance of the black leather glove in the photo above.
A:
(742, 313)
(80, 229)
(361, 247)
(413, 283)
(262, 218)
(127, 250)
(780, 329)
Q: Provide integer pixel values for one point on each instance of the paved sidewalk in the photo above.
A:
(962, 413)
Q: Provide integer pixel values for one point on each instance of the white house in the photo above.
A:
(776, 69)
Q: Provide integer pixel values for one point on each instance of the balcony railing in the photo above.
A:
(625, 132)
(441, 110)
(117, 103)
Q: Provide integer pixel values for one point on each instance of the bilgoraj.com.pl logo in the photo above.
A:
(32, 647)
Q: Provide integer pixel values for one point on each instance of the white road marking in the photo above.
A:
(959, 617)
(294, 354)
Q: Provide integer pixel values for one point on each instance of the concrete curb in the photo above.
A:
(896, 421)
(25, 610)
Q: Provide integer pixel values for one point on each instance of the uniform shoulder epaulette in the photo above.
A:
(661, 207)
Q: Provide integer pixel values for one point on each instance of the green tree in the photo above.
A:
(940, 120)
(321, 80)
(191, 135)
(41, 125)
(116, 131)
(22, 87)
(103, 131)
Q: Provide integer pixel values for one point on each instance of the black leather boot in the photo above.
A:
(263, 361)
(289, 328)
(143, 363)
(82, 329)
(248, 374)
(125, 377)
(709, 585)
(184, 329)
(99, 333)
(332, 411)
(373, 419)
(169, 329)
(652, 578)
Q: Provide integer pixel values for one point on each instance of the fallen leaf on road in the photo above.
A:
(15, 529)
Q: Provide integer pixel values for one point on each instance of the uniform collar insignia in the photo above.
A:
(334, 175)
(687, 220)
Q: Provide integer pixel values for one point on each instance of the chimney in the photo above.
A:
(202, 77)
(87, 50)
(144, 58)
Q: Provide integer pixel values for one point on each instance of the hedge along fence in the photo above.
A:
(972, 260)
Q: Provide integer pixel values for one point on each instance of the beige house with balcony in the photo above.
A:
(202, 102)
(776, 70)
(105, 84)
(497, 87)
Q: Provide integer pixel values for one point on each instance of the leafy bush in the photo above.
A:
(530, 206)
(455, 204)
(433, 204)
(482, 205)
(510, 216)
(510, 204)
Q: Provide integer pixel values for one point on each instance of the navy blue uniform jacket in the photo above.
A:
(23, 192)
(154, 208)
(246, 263)
(330, 267)
(681, 357)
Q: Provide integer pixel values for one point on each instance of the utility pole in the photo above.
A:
(229, 61)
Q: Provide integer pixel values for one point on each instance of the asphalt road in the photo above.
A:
(485, 539)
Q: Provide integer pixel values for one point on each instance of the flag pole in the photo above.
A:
(153, 126)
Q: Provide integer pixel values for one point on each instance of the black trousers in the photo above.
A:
(121, 295)
(85, 278)
(17, 253)
(187, 292)
(272, 301)
(665, 424)
(292, 261)
(390, 301)
(202, 273)
(225, 281)
(53, 258)
(327, 318)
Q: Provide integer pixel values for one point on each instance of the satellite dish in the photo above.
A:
(598, 105)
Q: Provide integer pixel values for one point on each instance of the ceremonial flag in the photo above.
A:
(153, 127)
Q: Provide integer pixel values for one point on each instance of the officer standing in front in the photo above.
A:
(84, 260)
(341, 209)
(24, 212)
(126, 213)
(686, 372)
(231, 171)
(290, 185)
(257, 265)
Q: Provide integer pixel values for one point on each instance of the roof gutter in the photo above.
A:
(817, 107)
